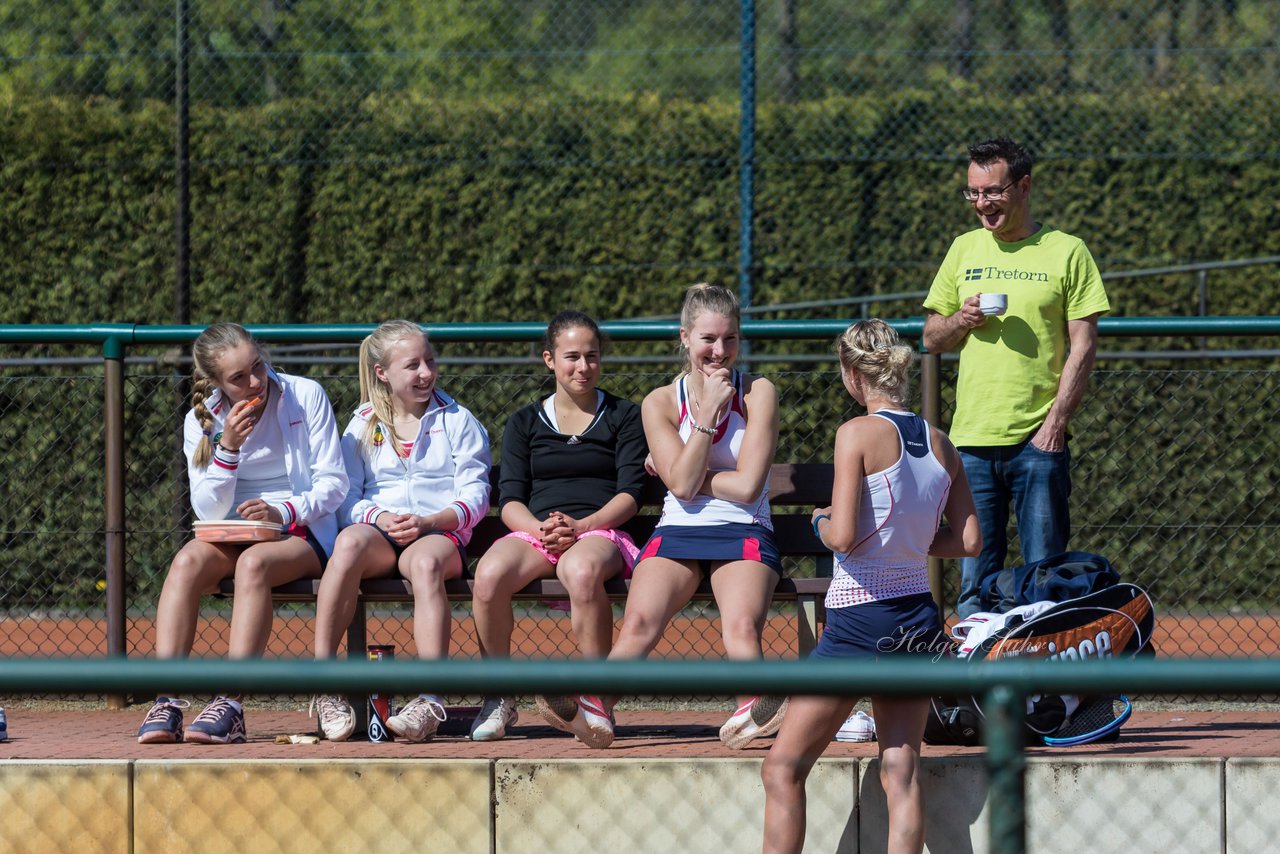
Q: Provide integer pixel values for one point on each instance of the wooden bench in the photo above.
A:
(795, 487)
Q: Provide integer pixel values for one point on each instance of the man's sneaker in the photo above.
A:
(163, 723)
(337, 717)
(221, 722)
(419, 719)
(583, 716)
(496, 714)
(4, 726)
(859, 726)
(757, 717)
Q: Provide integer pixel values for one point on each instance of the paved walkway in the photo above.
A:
(102, 734)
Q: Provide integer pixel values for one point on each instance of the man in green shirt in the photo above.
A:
(1023, 372)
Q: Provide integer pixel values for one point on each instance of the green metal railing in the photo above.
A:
(1004, 685)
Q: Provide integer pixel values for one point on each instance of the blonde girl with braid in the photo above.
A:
(418, 466)
(261, 446)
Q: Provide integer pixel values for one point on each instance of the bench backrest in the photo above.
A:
(794, 490)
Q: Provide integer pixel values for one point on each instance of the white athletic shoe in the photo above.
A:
(583, 717)
(756, 718)
(859, 726)
(419, 719)
(495, 715)
(337, 716)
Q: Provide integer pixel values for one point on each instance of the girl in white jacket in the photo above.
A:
(418, 465)
(261, 447)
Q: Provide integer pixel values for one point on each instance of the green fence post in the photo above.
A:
(746, 153)
(931, 409)
(1006, 768)
(114, 512)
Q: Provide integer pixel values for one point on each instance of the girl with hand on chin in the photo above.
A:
(572, 473)
(895, 479)
(261, 446)
(712, 434)
(418, 463)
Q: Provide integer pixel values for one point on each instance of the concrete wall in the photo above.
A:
(1096, 804)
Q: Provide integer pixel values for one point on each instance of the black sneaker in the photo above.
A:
(219, 723)
(163, 723)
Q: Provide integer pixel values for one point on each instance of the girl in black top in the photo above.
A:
(572, 471)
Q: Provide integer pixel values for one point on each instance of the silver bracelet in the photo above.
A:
(710, 431)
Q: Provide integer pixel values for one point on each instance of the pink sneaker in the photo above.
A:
(586, 718)
(757, 717)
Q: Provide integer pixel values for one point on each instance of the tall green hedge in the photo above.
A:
(496, 210)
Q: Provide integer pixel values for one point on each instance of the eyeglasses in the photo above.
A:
(972, 195)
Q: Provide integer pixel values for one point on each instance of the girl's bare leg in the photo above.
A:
(359, 553)
(808, 728)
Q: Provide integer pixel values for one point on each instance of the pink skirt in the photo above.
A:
(626, 547)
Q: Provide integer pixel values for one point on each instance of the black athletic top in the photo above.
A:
(547, 470)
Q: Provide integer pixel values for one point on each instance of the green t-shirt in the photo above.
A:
(1011, 365)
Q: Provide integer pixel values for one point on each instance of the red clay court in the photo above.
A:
(1175, 635)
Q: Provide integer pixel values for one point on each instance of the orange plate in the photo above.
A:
(236, 531)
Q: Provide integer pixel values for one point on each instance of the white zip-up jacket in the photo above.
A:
(312, 458)
(448, 467)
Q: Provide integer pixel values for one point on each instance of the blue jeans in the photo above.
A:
(1039, 483)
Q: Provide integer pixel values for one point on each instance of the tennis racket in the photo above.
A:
(1095, 720)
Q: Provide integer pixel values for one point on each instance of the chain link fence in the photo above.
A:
(1168, 485)
(245, 53)
(542, 104)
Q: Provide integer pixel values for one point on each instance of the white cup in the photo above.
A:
(990, 304)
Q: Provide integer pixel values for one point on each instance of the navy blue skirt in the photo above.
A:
(905, 625)
(707, 544)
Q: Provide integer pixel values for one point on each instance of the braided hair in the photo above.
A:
(205, 352)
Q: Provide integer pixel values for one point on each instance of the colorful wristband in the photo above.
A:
(816, 532)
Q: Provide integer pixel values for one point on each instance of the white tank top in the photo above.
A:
(898, 517)
(725, 447)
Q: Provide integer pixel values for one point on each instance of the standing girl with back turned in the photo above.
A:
(419, 470)
(711, 434)
(263, 447)
(895, 479)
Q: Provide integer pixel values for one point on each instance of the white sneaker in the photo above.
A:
(583, 717)
(495, 715)
(756, 718)
(419, 719)
(337, 716)
(859, 726)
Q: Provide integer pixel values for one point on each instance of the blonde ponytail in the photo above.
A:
(702, 298)
(373, 352)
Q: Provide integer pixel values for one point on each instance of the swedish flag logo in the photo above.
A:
(973, 274)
